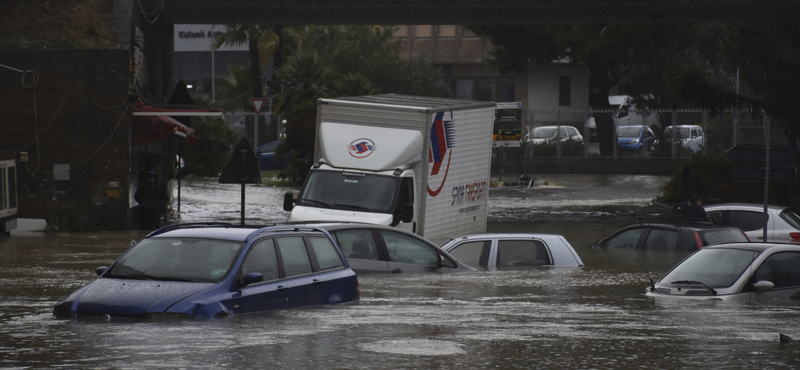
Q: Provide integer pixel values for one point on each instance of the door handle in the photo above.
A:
(397, 271)
(282, 288)
(317, 282)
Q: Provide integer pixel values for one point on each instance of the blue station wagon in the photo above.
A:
(214, 270)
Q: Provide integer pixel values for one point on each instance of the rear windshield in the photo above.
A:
(791, 218)
(713, 237)
(629, 131)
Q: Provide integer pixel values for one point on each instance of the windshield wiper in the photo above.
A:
(316, 201)
(169, 278)
(352, 206)
(134, 277)
(694, 282)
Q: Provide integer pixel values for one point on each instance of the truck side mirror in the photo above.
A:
(288, 201)
(408, 212)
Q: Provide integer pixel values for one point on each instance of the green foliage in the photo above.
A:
(234, 90)
(72, 218)
(210, 155)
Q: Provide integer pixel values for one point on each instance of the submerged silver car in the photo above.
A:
(738, 271)
(498, 250)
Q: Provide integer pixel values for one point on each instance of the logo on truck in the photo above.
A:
(361, 148)
(441, 147)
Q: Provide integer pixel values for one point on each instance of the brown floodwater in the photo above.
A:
(591, 317)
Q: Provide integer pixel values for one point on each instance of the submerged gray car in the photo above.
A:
(377, 248)
(738, 271)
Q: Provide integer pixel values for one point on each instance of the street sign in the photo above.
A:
(258, 104)
(507, 124)
(748, 163)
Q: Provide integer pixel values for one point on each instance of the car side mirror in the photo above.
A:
(251, 278)
(100, 270)
(288, 201)
(408, 212)
(441, 261)
(764, 286)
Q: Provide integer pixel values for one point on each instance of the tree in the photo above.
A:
(262, 42)
(651, 56)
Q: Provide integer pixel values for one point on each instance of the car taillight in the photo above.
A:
(795, 237)
(698, 240)
(358, 290)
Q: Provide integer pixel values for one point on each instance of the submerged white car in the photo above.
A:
(738, 271)
(783, 225)
(499, 250)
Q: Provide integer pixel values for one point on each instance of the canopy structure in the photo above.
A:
(151, 124)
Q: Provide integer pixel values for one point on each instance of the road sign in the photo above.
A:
(507, 124)
(258, 104)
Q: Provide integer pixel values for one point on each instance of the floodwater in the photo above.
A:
(591, 317)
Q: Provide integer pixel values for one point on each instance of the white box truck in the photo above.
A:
(416, 163)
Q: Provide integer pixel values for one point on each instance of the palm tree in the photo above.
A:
(262, 41)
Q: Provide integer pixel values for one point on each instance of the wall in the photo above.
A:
(73, 118)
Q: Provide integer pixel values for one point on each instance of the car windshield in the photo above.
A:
(791, 218)
(177, 259)
(717, 268)
(713, 237)
(682, 133)
(544, 132)
(269, 148)
(352, 191)
(629, 131)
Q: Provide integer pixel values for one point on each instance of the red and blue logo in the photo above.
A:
(361, 148)
(441, 147)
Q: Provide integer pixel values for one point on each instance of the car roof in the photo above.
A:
(222, 231)
(685, 126)
(553, 126)
(756, 246)
(505, 235)
(747, 206)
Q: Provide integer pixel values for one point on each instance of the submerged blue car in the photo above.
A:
(214, 270)
(633, 138)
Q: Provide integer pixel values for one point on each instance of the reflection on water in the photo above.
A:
(591, 317)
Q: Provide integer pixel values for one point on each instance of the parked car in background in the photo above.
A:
(500, 250)
(544, 134)
(213, 270)
(671, 237)
(377, 248)
(267, 160)
(633, 138)
(749, 271)
(690, 136)
(784, 225)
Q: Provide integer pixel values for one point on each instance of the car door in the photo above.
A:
(406, 253)
(299, 280)
(328, 285)
(522, 252)
(267, 294)
(625, 239)
(658, 239)
(781, 269)
(361, 250)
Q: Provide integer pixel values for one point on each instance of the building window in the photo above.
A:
(447, 31)
(564, 91)
(485, 88)
(422, 31)
(400, 31)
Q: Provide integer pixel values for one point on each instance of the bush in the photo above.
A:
(210, 155)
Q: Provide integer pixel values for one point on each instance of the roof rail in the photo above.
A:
(187, 225)
(286, 228)
(675, 219)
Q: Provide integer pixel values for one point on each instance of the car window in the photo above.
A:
(747, 220)
(661, 240)
(407, 249)
(713, 237)
(629, 131)
(357, 243)
(474, 253)
(522, 253)
(294, 255)
(262, 259)
(717, 268)
(791, 218)
(178, 259)
(564, 133)
(782, 269)
(326, 253)
(624, 240)
(572, 131)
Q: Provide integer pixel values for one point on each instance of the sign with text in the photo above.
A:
(507, 124)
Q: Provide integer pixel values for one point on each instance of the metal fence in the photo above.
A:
(662, 134)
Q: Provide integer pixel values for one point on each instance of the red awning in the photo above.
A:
(151, 124)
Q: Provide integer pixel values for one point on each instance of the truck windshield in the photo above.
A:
(354, 191)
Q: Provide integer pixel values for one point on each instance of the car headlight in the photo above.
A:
(636, 141)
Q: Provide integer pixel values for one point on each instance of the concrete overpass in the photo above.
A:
(464, 11)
